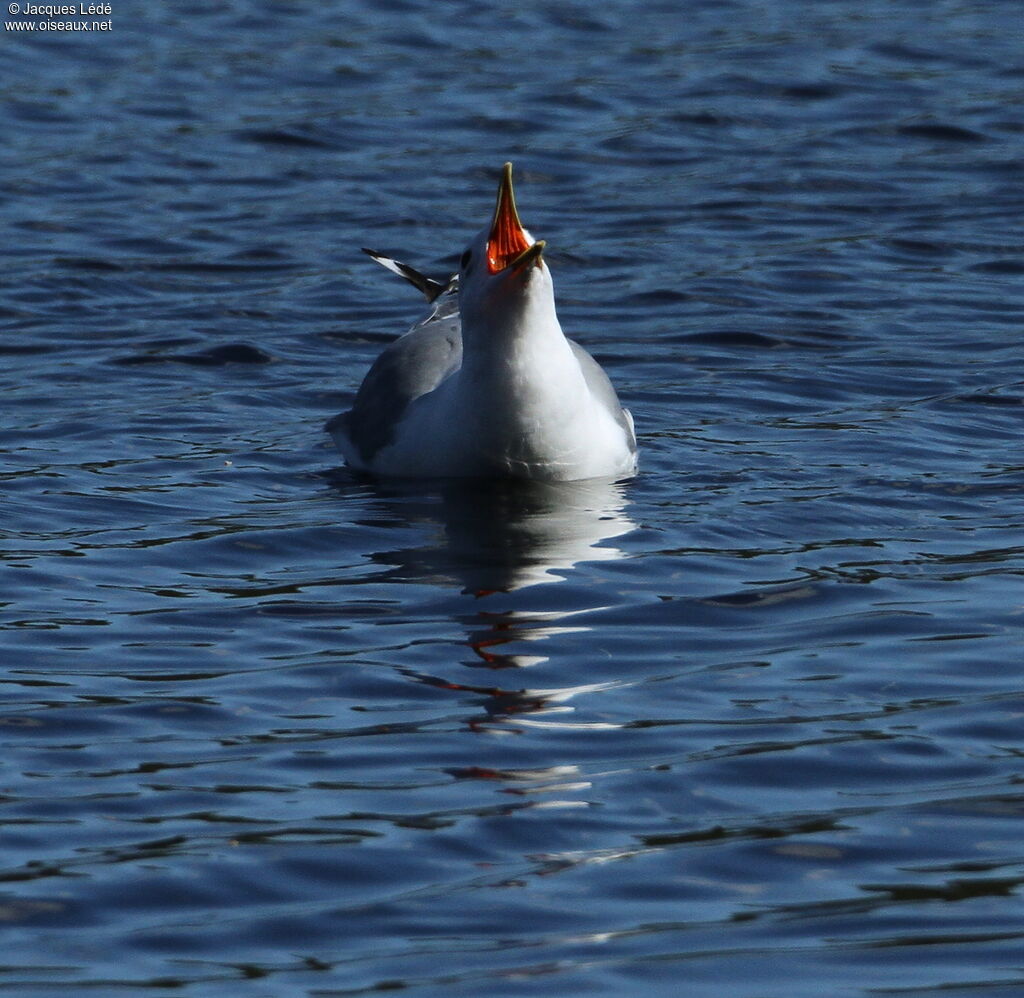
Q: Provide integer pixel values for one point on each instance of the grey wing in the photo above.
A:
(411, 366)
(604, 391)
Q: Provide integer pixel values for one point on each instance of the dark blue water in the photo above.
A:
(749, 726)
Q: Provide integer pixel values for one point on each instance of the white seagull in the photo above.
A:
(488, 386)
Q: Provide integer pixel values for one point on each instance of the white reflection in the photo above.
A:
(501, 537)
(504, 536)
(512, 627)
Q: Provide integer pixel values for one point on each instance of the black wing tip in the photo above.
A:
(427, 286)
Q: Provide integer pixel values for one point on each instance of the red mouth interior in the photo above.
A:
(507, 239)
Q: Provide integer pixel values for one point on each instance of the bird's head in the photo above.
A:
(502, 273)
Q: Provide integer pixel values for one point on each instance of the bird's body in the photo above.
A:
(488, 385)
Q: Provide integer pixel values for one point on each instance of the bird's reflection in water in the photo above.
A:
(500, 537)
(506, 705)
(503, 536)
(496, 630)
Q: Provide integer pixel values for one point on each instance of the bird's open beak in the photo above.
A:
(507, 244)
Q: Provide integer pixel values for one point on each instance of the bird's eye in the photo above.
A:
(466, 257)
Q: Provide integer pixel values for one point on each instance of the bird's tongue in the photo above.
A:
(507, 240)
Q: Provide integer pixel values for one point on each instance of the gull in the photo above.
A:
(488, 385)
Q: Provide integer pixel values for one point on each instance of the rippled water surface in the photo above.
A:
(749, 725)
